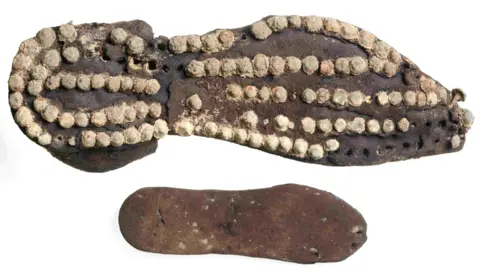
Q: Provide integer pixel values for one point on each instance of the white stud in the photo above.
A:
(16, 83)
(194, 102)
(81, 119)
(35, 87)
(52, 59)
(24, 116)
(152, 87)
(332, 145)
(261, 64)
(277, 23)
(184, 128)
(281, 122)
(308, 95)
(228, 68)
(22, 62)
(226, 133)
(432, 99)
(99, 119)
(249, 119)
(117, 139)
(88, 138)
(118, 36)
(50, 113)
(234, 92)
(34, 130)
(241, 136)
(132, 136)
(142, 109)
(39, 72)
(308, 125)
(395, 98)
(261, 30)
(410, 98)
(102, 139)
(146, 132)
(279, 94)
(310, 64)
(39, 104)
(342, 65)
(358, 65)
(46, 37)
(285, 144)
(67, 33)
(271, 142)
(255, 139)
(66, 120)
(71, 54)
(15, 100)
(212, 67)
(210, 129)
(295, 21)
(315, 151)
(324, 125)
(403, 125)
(323, 95)
(114, 83)
(130, 114)
(84, 82)
(382, 98)
(135, 45)
(340, 125)
(314, 24)
(264, 93)
(388, 126)
(293, 64)
(300, 147)
(456, 141)
(327, 68)
(178, 44)
(277, 65)
(244, 67)
(356, 98)
(69, 81)
(155, 110)
(45, 139)
(357, 125)
(340, 97)
(250, 92)
(373, 126)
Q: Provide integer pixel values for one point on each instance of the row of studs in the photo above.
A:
(262, 65)
(314, 24)
(44, 39)
(84, 82)
(135, 44)
(132, 135)
(341, 97)
(285, 145)
(25, 118)
(212, 42)
(114, 114)
(249, 120)
(281, 123)
(24, 63)
(51, 59)
(235, 92)
(411, 98)
(357, 125)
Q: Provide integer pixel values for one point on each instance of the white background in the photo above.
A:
(421, 213)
